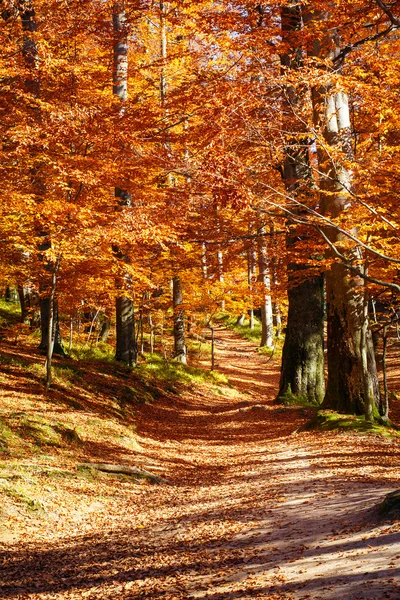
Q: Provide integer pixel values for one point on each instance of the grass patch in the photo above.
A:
(326, 420)
(155, 369)
(97, 352)
(7, 437)
(253, 335)
(10, 313)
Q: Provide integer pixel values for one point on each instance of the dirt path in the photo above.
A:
(253, 509)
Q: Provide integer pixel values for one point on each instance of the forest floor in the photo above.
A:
(252, 508)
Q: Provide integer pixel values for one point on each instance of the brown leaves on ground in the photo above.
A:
(252, 509)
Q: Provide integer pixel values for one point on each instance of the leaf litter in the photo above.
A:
(252, 509)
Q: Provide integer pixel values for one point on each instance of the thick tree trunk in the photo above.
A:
(302, 371)
(352, 374)
(180, 352)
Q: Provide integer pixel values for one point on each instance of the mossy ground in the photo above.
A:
(326, 420)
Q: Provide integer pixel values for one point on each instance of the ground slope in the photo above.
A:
(252, 509)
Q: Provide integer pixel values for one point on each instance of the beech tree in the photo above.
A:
(302, 369)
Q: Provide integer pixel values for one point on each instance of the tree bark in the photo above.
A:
(264, 277)
(44, 327)
(126, 350)
(302, 368)
(29, 302)
(352, 374)
(180, 352)
(251, 277)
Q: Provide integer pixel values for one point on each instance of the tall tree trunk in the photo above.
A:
(264, 277)
(30, 52)
(125, 350)
(180, 353)
(251, 277)
(302, 368)
(276, 307)
(45, 311)
(204, 266)
(29, 302)
(352, 374)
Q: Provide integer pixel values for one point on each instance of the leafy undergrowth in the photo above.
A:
(89, 415)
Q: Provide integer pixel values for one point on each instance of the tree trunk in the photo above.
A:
(251, 277)
(351, 358)
(180, 353)
(44, 328)
(125, 350)
(264, 277)
(105, 329)
(276, 308)
(352, 373)
(302, 369)
(29, 302)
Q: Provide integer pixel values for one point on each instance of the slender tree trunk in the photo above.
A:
(264, 277)
(302, 369)
(180, 353)
(45, 310)
(105, 329)
(52, 323)
(276, 307)
(251, 277)
(204, 266)
(30, 53)
(385, 411)
(125, 317)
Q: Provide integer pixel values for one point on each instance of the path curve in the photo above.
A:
(252, 510)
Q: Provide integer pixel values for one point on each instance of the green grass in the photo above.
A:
(326, 420)
(19, 493)
(97, 352)
(253, 335)
(10, 312)
(156, 369)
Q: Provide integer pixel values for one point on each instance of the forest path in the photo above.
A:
(252, 510)
(264, 511)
